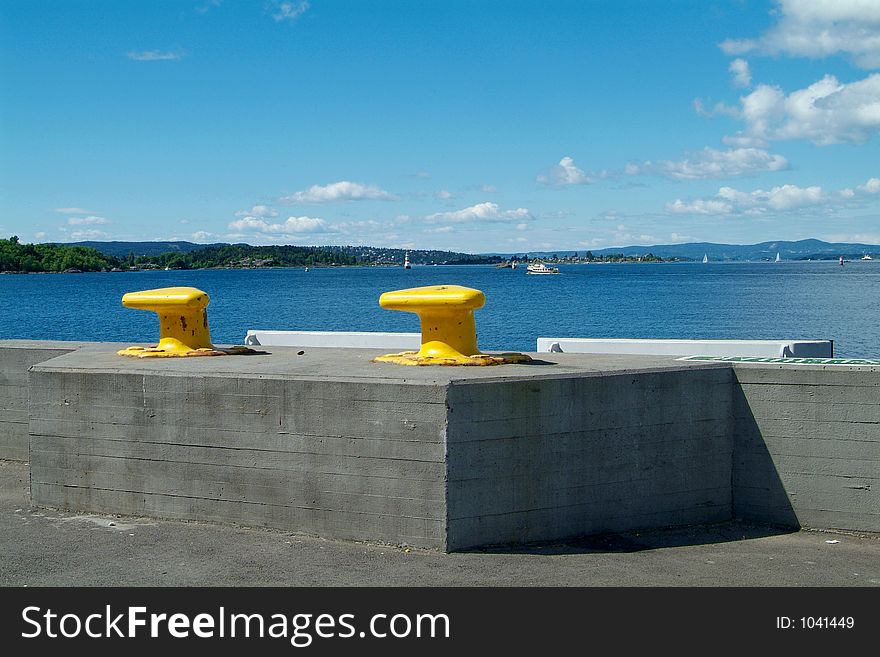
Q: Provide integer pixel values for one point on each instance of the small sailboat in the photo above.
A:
(406, 264)
(705, 258)
(867, 257)
(778, 259)
(841, 261)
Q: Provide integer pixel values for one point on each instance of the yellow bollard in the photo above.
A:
(183, 323)
(449, 335)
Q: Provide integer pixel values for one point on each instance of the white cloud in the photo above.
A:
(40, 236)
(712, 163)
(481, 212)
(257, 211)
(785, 198)
(742, 75)
(288, 11)
(444, 194)
(718, 108)
(439, 229)
(87, 221)
(488, 189)
(72, 211)
(870, 187)
(706, 164)
(201, 235)
(731, 201)
(699, 206)
(826, 112)
(88, 235)
(359, 225)
(154, 56)
(564, 174)
(293, 225)
(340, 191)
(206, 7)
(819, 28)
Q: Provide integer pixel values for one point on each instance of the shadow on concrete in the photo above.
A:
(760, 505)
(652, 539)
(758, 493)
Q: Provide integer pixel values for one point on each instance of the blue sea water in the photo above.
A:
(820, 300)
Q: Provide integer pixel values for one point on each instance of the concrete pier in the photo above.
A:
(16, 358)
(324, 442)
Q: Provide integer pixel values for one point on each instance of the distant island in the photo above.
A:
(809, 249)
(16, 257)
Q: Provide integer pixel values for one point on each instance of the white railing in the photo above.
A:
(334, 339)
(758, 348)
(412, 341)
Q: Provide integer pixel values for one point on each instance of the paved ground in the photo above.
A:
(46, 547)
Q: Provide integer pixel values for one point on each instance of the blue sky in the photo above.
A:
(475, 126)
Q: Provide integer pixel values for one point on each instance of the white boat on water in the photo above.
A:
(705, 258)
(541, 268)
(867, 257)
(778, 259)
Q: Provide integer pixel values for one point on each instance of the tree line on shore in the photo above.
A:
(18, 257)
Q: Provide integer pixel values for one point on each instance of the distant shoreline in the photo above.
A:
(419, 266)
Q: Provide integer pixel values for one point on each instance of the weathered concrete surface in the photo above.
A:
(328, 443)
(180, 439)
(542, 459)
(40, 547)
(16, 357)
(808, 446)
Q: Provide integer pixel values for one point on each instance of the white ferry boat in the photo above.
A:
(541, 268)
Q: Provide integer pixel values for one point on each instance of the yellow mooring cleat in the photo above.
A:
(183, 323)
(449, 335)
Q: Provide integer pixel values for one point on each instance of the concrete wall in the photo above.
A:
(336, 459)
(807, 449)
(330, 444)
(554, 458)
(16, 357)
